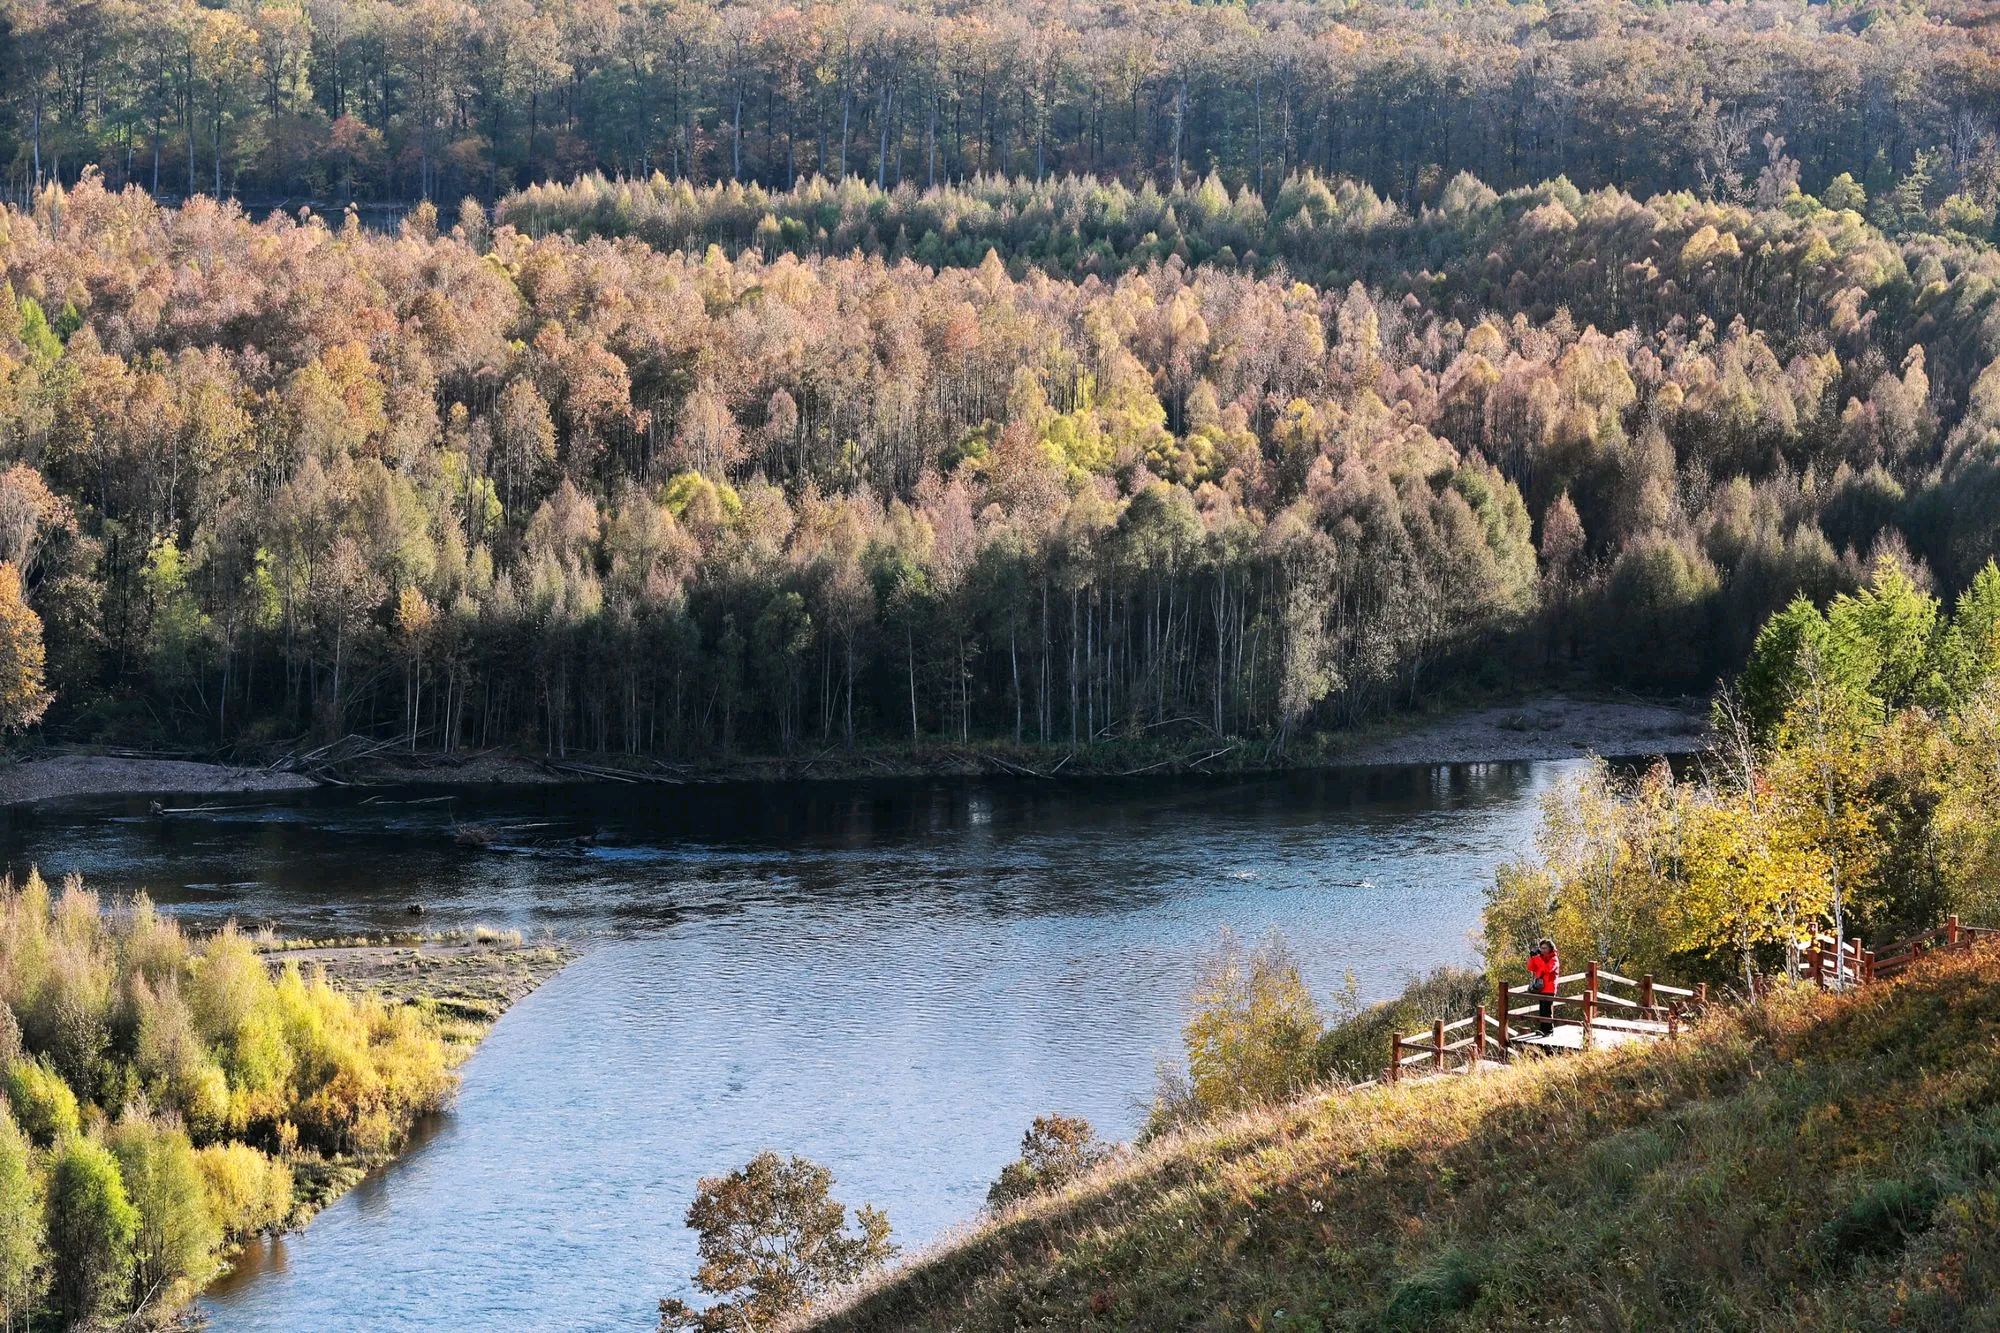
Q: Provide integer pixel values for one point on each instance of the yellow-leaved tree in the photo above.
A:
(1746, 878)
(23, 696)
(1968, 834)
(1254, 1029)
(1605, 858)
(1819, 776)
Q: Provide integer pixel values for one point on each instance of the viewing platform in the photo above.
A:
(1589, 1010)
(1597, 1008)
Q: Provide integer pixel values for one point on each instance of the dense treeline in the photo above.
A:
(332, 99)
(1324, 229)
(1793, 266)
(486, 487)
(157, 1094)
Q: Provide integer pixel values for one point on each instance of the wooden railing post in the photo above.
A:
(1478, 1034)
(1951, 929)
(1589, 1001)
(1646, 994)
(1701, 995)
(1674, 1019)
(1868, 968)
(1855, 945)
(1395, 1057)
(1818, 966)
(1437, 1044)
(1504, 1000)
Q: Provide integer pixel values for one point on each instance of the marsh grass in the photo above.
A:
(1816, 1162)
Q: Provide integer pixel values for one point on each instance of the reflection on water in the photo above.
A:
(893, 978)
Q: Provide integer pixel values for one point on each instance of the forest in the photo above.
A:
(1240, 373)
(286, 101)
(479, 486)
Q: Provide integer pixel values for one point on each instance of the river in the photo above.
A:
(892, 978)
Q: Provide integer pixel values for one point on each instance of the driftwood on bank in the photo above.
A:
(323, 763)
(603, 773)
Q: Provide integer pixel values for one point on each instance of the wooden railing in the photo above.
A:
(1588, 1005)
(1834, 964)
(1591, 1008)
(1888, 961)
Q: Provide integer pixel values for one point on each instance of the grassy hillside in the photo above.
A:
(1820, 1163)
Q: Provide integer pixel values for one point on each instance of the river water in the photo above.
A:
(892, 978)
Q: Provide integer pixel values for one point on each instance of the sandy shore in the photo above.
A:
(107, 775)
(1556, 727)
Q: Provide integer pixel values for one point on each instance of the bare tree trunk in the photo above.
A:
(882, 153)
(1014, 654)
(736, 145)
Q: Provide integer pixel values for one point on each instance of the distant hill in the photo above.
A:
(1818, 1162)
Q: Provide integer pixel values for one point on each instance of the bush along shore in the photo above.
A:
(167, 1097)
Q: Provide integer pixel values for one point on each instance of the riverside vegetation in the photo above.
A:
(167, 1097)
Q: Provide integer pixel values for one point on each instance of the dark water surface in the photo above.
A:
(892, 978)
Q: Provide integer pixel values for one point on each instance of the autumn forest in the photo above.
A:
(754, 378)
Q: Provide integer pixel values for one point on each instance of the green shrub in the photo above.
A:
(177, 1237)
(22, 1268)
(42, 1102)
(172, 1063)
(1449, 1283)
(1358, 1047)
(1252, 1036)
(92, 1227)
(247, 1191)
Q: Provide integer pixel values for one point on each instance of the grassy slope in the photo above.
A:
(1822, 1163)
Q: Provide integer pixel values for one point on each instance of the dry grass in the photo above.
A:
(1827, 1163)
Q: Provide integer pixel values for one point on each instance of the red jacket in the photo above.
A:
(1545, 968)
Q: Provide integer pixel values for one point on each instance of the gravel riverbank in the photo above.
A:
(67, 775)
(1552, 727)
(1555, 727)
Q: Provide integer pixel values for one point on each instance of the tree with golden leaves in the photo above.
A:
(23, 699)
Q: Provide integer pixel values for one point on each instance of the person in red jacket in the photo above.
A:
(1544, 966)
